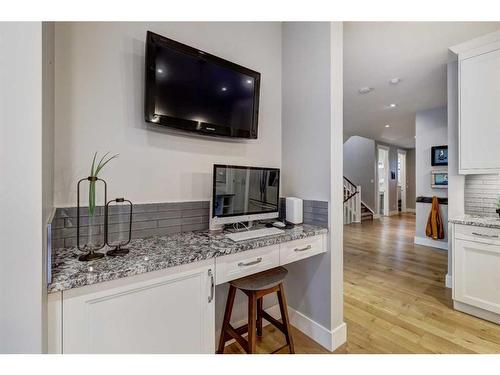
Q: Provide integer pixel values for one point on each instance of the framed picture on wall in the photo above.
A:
(439, 156)
(439, 179)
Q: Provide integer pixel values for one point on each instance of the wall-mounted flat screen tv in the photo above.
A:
(192, 90)
(439, 155)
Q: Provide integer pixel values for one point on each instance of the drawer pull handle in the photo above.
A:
(485, 235)
(308, 247)
(212, 286)
(257, 261)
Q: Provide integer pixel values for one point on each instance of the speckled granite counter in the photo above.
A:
(156, 253)
(478, 221)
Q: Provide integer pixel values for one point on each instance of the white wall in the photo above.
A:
(360, 163)
(431, 129)
(48, 138)
(306, 150)
(21, 262)
(99, 107)
(339, 328)
(311, 136)
(306, 110)
(456, 182)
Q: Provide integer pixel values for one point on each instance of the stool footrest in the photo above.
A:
(234, 333)
(273, 321)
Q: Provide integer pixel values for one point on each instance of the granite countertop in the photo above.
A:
(479, 221)
(157, 253)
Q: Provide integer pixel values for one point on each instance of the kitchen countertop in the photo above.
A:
(157, 253)
(479, 221)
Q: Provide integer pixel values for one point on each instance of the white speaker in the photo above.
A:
(294, 208)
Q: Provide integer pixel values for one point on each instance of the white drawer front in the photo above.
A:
(231, 267)
(477, 234)
(300, 249)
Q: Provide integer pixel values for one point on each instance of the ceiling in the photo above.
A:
(416, 52)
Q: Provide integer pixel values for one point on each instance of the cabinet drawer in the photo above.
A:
(231, 267)
(300, 249)
(477, 234)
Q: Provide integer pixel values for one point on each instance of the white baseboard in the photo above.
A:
(431, 243)
(329, 339)
(392, 213)
(339, 336)
(410, 210)
(448, 281)
(476, 311)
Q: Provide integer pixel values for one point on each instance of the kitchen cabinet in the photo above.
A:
(159, 312)
(479, 109)
(476, 271)
(166, 311)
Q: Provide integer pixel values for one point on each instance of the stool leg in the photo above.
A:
(252, 322)
(227, 319)
(259, 316)
(285, 319)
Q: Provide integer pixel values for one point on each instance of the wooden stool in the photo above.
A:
(256, 287)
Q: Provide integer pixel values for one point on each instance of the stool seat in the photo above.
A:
(262, 280)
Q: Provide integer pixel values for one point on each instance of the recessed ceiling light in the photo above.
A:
(387, 125)
(392, 105)
(395, 80)
(224, 89)
(365, 90)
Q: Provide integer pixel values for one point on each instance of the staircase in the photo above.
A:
(355, 211)
(366, 213)
(352, 202)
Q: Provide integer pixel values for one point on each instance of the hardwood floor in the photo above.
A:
(395, 300)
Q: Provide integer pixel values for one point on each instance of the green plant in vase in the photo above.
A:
(94, 174)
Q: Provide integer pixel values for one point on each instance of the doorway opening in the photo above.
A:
(402, 184)
(383, 180)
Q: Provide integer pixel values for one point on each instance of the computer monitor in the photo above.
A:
(242, 194)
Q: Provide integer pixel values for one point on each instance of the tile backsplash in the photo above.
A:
(481, 193)
(315, 212)
(157, 219)
(152, 219)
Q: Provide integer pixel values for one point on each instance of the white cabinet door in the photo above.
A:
(479, 107)
(172, 313)
(476, 274)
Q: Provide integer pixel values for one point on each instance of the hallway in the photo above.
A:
(395, 300)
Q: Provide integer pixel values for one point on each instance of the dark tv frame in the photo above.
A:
(434, 163)
(212, 209)
(152, 42)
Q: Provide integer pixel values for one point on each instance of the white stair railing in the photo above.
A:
(352, 202)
